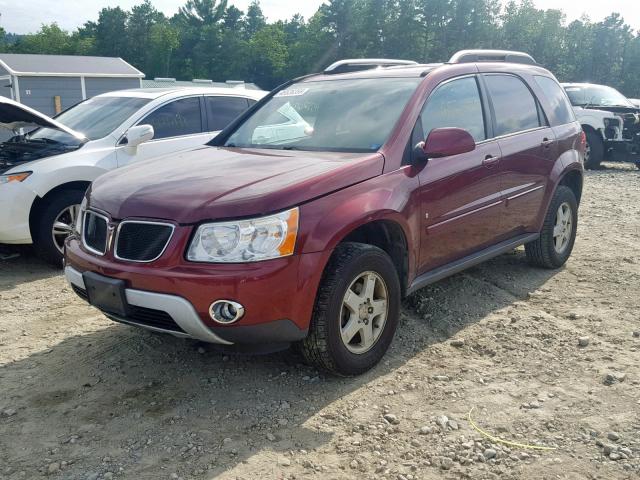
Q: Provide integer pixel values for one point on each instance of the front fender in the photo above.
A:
(326, 221)
(42, 183)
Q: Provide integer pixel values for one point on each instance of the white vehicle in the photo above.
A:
(45, 172)
(610, 121)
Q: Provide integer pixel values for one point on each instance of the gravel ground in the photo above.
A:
(543, 358)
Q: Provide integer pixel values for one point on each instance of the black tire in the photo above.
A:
(324, 347)
(638, 164)
(43, 224)
(596, 150)
(542, 252)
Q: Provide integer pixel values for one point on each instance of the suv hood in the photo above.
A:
(14, 115)
(212, 183)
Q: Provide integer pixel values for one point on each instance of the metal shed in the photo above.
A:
(52, 83)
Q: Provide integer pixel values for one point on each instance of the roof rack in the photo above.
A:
(473, 56)
(356, 64)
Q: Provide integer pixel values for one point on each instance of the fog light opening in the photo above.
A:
(226, 311)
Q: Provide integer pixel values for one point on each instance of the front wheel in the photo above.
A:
(554, 246)
(55, 223)
(594, 150)
(356, 311)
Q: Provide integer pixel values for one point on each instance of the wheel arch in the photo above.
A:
(41, 201)
(389, 236)
(574, 179)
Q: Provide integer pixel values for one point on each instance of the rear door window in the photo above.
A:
(455, 103)
(221, 111)
(175, 119)
(557, 99)
(515, 107)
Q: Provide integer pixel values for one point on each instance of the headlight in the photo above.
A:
(246, 240)
(80, 217)
(14, 177)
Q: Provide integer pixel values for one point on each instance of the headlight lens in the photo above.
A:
(80, 217)
(14, 177)
(246, 240)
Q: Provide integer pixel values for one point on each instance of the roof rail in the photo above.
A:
(356, 64)
(473, 56)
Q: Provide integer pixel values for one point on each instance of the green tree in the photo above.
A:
(268, 56)
(254, 21)
(140, 24)
(111, 33)
(50, 39)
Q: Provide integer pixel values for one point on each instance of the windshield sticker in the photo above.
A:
(292, 92)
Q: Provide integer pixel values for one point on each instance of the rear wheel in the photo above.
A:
(356, 311)
(594, 150)
(55, 223)
(554, 246)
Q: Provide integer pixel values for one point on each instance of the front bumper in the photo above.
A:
(180, 311)
(16, 200)
(278, 295)
(623, 150)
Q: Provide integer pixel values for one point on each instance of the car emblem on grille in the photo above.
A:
(111, 228)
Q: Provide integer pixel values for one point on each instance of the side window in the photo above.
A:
(455, 104)
(181, 117)
(557, 99)
(221, 111)
(515, 107)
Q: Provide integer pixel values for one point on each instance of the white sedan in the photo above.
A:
(45, 172)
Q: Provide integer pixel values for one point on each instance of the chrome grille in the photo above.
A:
(140, 241)
(94, 232)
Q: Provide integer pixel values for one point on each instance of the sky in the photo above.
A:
(26, 16)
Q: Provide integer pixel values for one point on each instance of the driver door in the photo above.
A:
(178, 125)
(460, 195)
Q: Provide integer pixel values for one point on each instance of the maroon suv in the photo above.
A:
(310, 217)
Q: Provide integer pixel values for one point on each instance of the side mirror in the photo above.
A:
(445, 142)
(137, 135)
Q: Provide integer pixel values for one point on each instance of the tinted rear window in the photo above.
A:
(221, 111)
(515, 108)
(557, 99)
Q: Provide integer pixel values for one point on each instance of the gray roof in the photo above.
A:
(67, 65)
(172, 82)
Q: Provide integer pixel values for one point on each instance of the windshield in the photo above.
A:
(328, 115)
(94, 118)
(597, 96)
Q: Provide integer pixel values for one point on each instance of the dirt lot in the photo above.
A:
(83, 398)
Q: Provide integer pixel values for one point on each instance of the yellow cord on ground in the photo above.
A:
(506, 442)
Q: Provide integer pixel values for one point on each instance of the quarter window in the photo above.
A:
(514, 106)
(221, 111)
(181, 117)
(557, 99)
(455, 104)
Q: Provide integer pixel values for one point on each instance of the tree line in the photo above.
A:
(212, 39)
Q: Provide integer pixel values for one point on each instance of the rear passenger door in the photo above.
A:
(178, 125)
(460, 195)
(528, 147)
(222, 110)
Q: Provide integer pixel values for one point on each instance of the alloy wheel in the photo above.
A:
(587, 153)
(563, 228)
(364, 312)
(63, 225)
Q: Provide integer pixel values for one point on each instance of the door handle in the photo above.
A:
(490, 161)
(546, 143)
